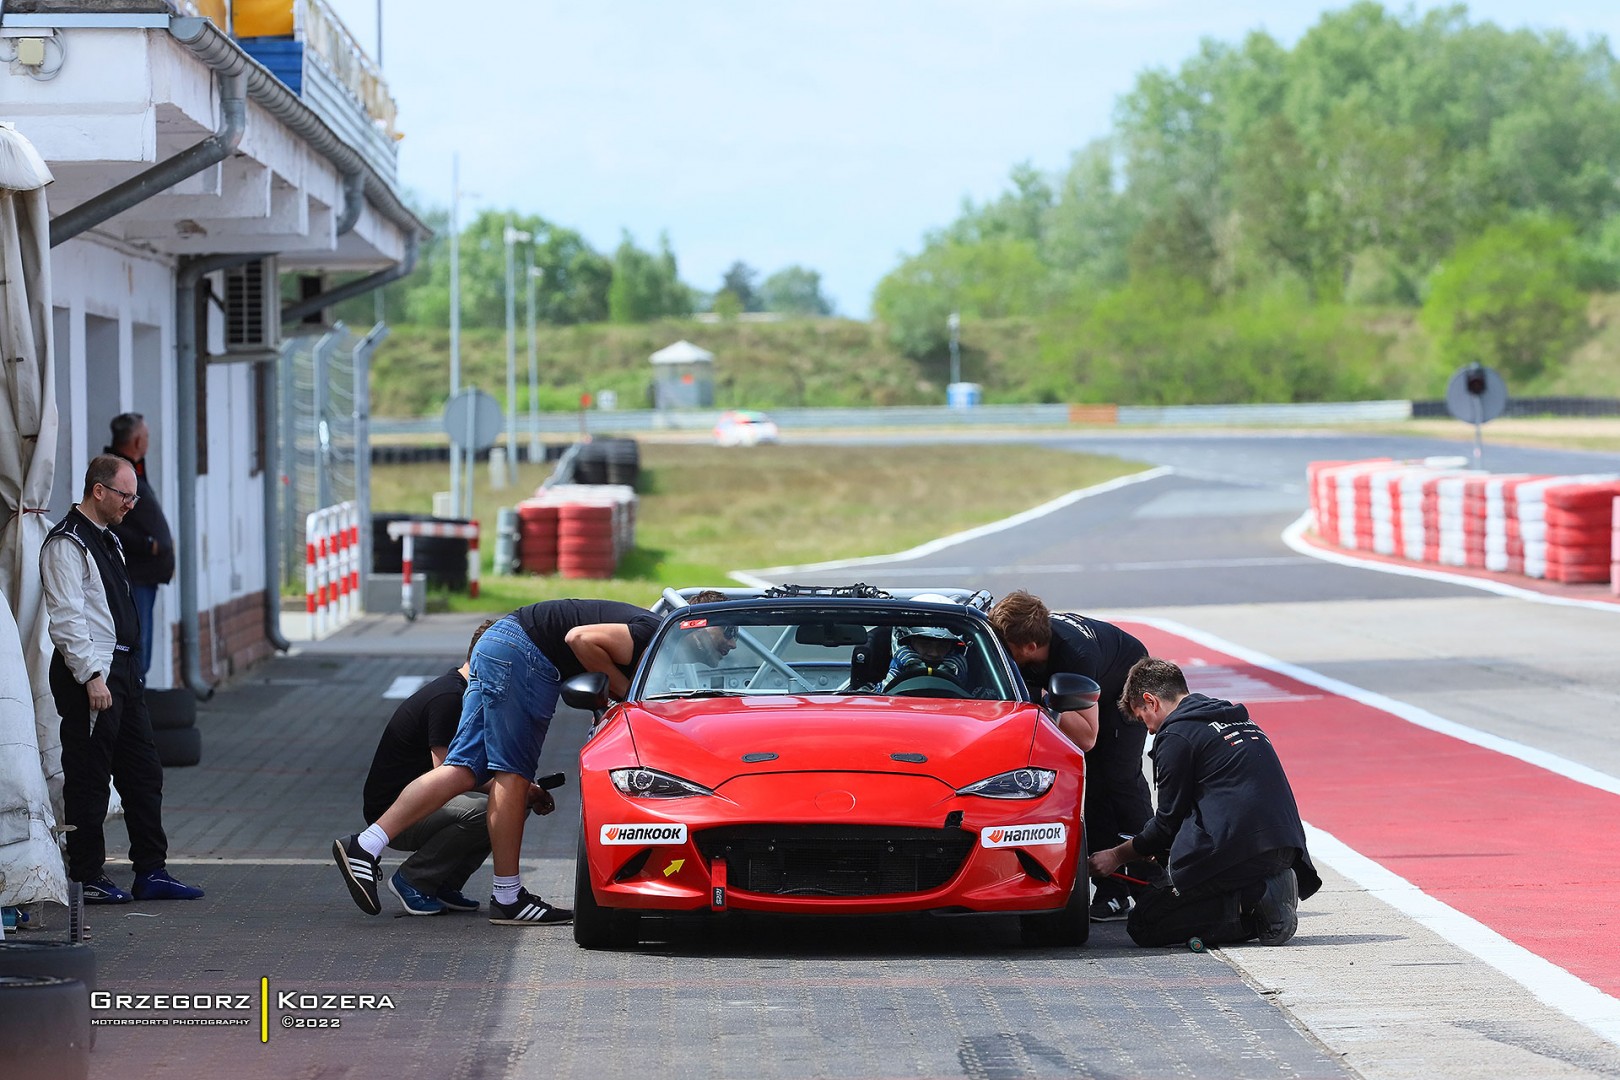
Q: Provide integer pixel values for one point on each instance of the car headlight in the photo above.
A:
(651, 784)
(1017, 784)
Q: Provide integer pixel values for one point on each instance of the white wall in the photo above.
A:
(115, 353)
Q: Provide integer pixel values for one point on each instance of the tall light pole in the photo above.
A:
(533, 276)
(513, 238)
(955, 324)
(455, 320)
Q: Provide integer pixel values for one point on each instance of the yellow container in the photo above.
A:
(262, 18)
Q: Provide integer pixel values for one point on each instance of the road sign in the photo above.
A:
(1476, 395)
(473, 420)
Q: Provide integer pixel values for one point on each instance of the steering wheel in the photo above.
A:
(905, 685)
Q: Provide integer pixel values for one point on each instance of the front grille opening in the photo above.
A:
(836, 861)
(634, 865)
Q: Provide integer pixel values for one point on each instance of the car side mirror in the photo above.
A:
(1069, 692)
(588, 691)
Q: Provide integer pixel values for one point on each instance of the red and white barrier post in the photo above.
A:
(406, 532)
(331, 567)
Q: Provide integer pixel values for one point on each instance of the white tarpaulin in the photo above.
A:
(31, 867)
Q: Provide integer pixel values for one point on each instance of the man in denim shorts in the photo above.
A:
(517, 670)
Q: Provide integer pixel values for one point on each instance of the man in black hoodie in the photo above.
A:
(1227, 821)
(144, 533)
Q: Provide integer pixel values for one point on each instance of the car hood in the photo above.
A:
(706, 739)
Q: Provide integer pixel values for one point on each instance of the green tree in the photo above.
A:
(645, 285)
(1508, 299)
(739, 280)
(794, 290)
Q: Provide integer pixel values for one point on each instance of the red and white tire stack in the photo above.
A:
(585, 529)
(1614, 550)
(537, 537)
(1563, 528)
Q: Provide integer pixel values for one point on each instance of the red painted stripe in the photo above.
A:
(1531, 854)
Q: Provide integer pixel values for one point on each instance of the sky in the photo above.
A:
(832, 135)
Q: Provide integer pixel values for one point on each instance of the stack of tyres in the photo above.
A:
(591, 463)
(174, 726)
(537, 537)
(608, 461)
(45, 1027)
(585, 541)
(442, 558)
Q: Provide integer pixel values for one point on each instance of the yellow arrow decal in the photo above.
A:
(674, 867)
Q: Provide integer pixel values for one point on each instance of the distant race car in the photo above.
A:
(767, 760)
(739, 427)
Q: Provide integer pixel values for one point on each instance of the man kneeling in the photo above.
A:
(1226, 820)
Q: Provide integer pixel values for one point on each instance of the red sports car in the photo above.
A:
(812, 751)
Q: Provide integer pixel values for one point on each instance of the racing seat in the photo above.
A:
(869, 663)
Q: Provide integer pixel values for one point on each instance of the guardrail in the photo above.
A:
(651, 420)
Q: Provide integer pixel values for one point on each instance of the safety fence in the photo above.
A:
(1558, 528)
(406, 532)
(332, 567)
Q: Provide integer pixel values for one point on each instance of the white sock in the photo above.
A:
(507, 888)
(374, 840)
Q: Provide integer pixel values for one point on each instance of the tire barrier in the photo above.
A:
(171, 710)
(577, 530)
(332, 567)
(178, 748)
(1557, 528)
(407, 532)
(443, 560)
(391, 454)
(44, 1027)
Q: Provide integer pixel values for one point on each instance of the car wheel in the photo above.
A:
(1070, 926)
(45, 1026)
(597, 927)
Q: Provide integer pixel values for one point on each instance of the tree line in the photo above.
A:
(574, 283)
(1251, 213)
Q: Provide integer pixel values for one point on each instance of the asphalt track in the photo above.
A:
(1450, 748)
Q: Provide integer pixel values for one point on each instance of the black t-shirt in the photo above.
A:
(548, 622)
(426, 719)
(1096, 649)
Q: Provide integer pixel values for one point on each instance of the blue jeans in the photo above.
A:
(145, 597)
(511, 696)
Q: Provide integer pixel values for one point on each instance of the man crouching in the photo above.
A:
(1226, 820)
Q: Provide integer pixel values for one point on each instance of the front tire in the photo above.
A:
(1072, 925)
(595, 926)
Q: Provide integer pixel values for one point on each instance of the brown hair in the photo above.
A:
(1151, 675)
(478, 633)
(1020, 618)
(707, 596)
(103, 470)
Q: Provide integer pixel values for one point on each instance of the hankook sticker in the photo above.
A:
(1046, 833)
(618, 835)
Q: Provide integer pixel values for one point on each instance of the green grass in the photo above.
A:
(705, 511)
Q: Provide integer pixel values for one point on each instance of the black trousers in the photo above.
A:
(118, 750)
(1212, 910)
(1117, 800)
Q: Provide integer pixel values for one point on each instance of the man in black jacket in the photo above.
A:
(1227, 822)
(1043, 643)
(144, 533)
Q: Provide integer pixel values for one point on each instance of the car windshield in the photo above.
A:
(935, 652)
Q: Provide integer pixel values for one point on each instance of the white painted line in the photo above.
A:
(758, 578)
(1294, 537)
(404, 686)
(1572, 770)
(1551, 984)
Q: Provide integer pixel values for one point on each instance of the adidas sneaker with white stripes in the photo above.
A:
(360, 872)
(527, 910)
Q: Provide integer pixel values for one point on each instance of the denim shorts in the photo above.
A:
(511, 695)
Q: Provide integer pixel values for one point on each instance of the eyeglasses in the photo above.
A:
(129, 498)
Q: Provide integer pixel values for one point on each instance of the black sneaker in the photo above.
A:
(360, 873)
(527, 910)
(103, 891)
(1114, 909)
(1276, 917)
